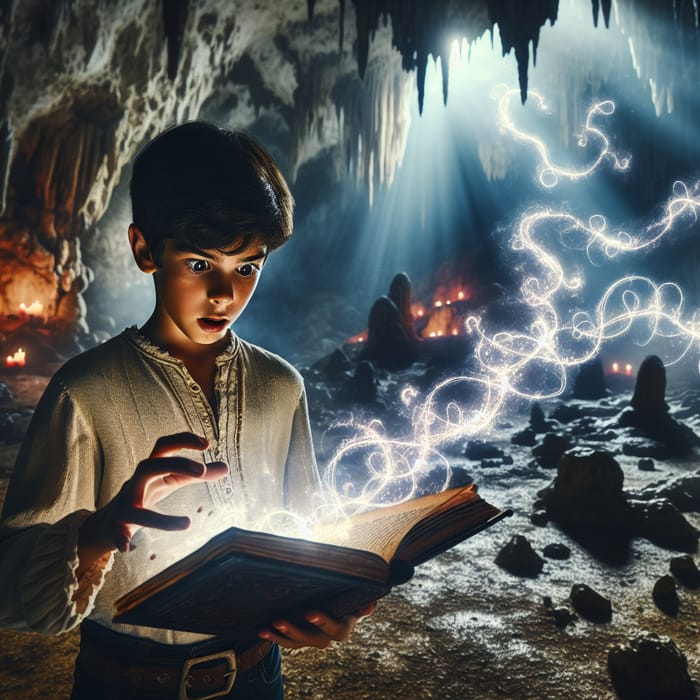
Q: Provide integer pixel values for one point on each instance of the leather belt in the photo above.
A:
(198, 678)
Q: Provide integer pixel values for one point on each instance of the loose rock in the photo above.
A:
(519, 558)
(556, 551)
(665, 595)
(686, 571)
(590, 604)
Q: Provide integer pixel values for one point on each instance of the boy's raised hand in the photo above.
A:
(154, 478)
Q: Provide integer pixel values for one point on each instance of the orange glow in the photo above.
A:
(441, 322)
(615, 367)
(450, 293)
(628, 369)
(358, 337)
(418, 310)
(19, 359)
(438, 304)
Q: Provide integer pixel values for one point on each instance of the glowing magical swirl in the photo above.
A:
(549, 172)
(372, 469)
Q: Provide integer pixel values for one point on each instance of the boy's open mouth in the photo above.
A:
(213, 325)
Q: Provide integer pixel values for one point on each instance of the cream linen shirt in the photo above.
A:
(100, 416)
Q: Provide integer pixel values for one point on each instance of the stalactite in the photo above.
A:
(606, 5)
(519, 25)
(174, 21)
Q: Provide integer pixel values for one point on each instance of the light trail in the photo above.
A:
(549, 173)
(371, 469)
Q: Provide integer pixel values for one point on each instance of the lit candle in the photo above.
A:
(16, 360)
(615, 367)
(34, 310)
(628, 369)
(460, 295)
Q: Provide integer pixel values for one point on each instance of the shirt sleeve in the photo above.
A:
(302, 482)
(51, 493)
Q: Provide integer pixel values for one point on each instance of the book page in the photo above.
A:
(380, 534)
(381, 530)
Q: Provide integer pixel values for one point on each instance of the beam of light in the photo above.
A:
(549, 173)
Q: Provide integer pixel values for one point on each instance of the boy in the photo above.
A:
(122, 427)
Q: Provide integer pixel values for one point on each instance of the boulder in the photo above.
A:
(649, 414)
(661, 522)
(550, 450)
(586, 494)
(525, 438)
(651, 667)
(589, 384)
(388, 342)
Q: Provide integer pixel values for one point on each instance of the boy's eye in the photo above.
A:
(247, 270)
(196, 265)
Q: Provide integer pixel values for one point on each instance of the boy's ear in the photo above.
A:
(141, 251)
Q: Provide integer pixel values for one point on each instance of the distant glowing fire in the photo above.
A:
(444, 316)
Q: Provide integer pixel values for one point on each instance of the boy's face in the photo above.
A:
(200, 293)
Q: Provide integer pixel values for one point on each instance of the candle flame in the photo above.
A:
(18, 359)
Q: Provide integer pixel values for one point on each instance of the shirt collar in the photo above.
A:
(134, 335)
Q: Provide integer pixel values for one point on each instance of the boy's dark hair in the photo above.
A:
(208, 187)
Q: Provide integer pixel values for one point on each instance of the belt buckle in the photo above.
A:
(185, 682)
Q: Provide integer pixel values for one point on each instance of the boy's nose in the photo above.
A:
(221, 291)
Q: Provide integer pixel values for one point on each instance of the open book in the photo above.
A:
(240, 581)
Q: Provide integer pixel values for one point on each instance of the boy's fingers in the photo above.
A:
(167, 444)
(163, 466)
(337, 630)
(151, 518)
(292, 637)
(215, 470)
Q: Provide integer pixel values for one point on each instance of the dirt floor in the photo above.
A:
(462, 627)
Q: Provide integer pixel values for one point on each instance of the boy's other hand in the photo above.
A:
(326, 629)
(154, 478)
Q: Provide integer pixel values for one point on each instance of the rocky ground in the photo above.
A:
(464, 626)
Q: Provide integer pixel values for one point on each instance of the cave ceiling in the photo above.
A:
(85, 82)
